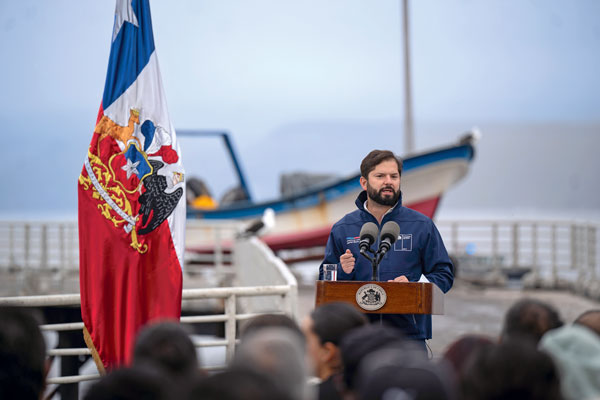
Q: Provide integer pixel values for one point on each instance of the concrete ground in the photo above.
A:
(475, 309)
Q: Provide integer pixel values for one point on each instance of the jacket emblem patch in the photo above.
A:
(352, 239)
(404, 242)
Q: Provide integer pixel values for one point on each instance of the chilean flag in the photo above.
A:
(131, 199)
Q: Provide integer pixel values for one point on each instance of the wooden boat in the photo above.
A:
(304, 220)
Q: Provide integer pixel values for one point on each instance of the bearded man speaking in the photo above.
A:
(419, 250)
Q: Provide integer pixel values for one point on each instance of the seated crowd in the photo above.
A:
(334, 354)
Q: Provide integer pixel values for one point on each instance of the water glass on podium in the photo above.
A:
(329, 272)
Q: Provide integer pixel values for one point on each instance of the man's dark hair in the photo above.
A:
(511, 370)
(396, 374)
(361, 341)
(167, 346)
(459, 352)
(590, 319)
(132, 384)
(374, 158)
(22, 355)
(332, 320)
(529, 319)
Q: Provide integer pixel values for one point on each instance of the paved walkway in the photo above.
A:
(475, 309)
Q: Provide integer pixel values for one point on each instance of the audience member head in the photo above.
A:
(590, 319)
(167, 346)
(395, 374)
(458, 354)
(361, 341)
(270, 321)
(324, 329)
(514, 370)
(22, 355)
(576, 351)
(236, 384)
(278, 353)
(529, 319)
(132, 384)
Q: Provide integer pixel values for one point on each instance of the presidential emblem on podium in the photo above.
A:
(371, 297)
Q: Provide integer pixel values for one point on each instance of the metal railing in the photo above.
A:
(38, 244)
(216, 236)
(31, 247)
(556, 254)
(32, 251)
(55, 244)
(555, 251)
(229, 317)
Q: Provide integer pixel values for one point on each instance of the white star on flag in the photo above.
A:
(123, 13)
(130, 168)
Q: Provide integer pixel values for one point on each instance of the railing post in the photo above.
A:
(290, 301)
(44, 246)
(230, 328)
(26, 255)
(72, 247)
(515, 243)
(218, 252)
(11, 246)
(455, 237)
(534, 251)
(554, 257)
(573, 239)
(580, 280)
(591, 250)
(62, 268)
(495, 257)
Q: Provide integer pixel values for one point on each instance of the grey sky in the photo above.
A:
(257, 68)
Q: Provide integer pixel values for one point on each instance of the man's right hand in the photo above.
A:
(347, 261)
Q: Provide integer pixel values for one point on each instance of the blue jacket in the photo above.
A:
(418, 250)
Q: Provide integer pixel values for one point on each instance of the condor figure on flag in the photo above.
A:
(131, 198)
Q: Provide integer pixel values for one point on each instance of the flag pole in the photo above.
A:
(409, 143)
(90, 344)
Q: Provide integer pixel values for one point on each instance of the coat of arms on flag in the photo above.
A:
(131, 198)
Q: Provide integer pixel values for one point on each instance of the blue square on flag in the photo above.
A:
(136, 159)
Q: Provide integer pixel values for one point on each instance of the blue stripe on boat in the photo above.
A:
(328, 192)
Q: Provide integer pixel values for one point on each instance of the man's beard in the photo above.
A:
(378, 198)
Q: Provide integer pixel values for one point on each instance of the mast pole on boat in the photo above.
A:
(409, 144)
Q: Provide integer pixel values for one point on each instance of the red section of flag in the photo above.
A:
(121, 289)
(167, 153)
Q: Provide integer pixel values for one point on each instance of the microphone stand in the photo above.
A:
(379, 255)
(374, 261)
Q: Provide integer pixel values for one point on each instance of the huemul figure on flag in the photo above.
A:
(131, 198)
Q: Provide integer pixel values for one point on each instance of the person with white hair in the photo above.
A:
(278, 353)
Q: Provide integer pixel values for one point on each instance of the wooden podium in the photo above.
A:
(397, 297)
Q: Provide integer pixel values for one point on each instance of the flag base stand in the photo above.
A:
(90, 344)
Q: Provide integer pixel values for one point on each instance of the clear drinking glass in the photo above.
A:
(330, 272)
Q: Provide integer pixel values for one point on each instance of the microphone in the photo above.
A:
(389, 235)
(368, 233)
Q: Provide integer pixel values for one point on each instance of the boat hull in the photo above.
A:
(305, 220)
